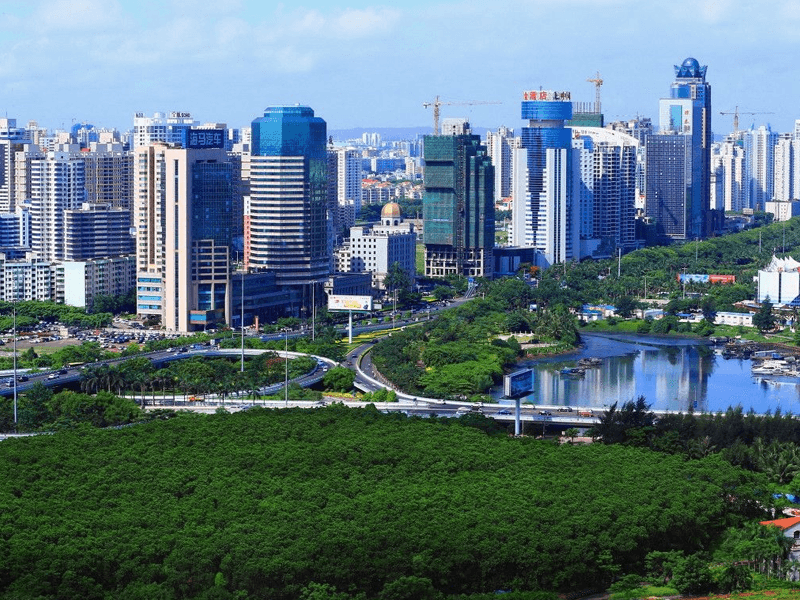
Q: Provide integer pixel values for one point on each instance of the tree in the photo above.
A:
(626, 305)
(692, 576)
(396, 278)
(764, 319)
(443, 292)
(339, 379)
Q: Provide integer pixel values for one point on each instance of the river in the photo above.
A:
(671, 373)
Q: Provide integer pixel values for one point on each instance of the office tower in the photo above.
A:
(727, 164)
(545, 210)
(668, 186)
(607, 196)
(458, 206)
(687, 112)
(188, 216)
(57, 184)
(759, 149)
(344, 187)
(170, 129)
(498, 146)
(287, 227)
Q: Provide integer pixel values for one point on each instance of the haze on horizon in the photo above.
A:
(369, 65)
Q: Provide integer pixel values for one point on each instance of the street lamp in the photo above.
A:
(241, 285)
(14, 305)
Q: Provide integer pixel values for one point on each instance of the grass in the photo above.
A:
(420, 258)
(648, 591)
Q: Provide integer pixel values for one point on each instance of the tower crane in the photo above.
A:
(438, 103)
(598, 83)
(736, 114)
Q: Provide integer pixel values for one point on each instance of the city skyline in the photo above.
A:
(370, 65)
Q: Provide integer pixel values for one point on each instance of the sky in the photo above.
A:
(362, 64)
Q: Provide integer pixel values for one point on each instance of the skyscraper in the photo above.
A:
(286, 226)
(545, 210)
(498, 147)
(759, 152)
(188, 216)
(458, 206)
(687, 112)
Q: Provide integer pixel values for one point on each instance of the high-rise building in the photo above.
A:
(170, 129)
(498, 146)
(344, 187)
(286, 224)
(97, 231)
(188, 217)
(607, 194)
(687, 112)
(727, 165)
(668, 186)
(11, 140)
(545, 210)
(109, 174)
(57, 184)
(458, 206)
(759, 152)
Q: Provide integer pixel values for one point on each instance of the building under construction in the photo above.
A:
(458, 206)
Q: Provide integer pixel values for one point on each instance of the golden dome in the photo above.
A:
(391, 210)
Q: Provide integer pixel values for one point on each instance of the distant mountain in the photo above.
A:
(389, 133)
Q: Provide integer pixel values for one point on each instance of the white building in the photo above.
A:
(759, 145)
(498, 146)
(57, 184)
(344, 187)
(84, 280)
(606, 164)
(728, 189)
(779, 281)
(783, 210)
(30, 278)
(374, 249)
(169, 128)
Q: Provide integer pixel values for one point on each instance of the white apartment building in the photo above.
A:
(84, 280)
(728, 175)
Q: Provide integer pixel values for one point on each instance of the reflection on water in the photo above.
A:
(670, 374)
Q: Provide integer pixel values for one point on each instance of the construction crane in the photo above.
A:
(598, 83)
(437, 103)
(736, 114)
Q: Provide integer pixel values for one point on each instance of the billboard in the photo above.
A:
(698, 278)
(518, 383)
(205, 138)
(360, 303)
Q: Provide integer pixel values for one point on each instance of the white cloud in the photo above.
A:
(77, 15)
(364, 23)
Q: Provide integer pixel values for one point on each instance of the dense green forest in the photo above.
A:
(344, 503)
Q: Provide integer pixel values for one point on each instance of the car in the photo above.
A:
(53, 376)
(22, 378)
(545, 412)
(505, 411)
(10, 382)
(565, 409)
(63, 371)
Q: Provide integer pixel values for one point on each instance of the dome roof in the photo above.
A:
(690, 68)
(391, 210)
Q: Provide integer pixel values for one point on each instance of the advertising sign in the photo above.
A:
(547, 95)
(205, 138)
(699, 278)
(359, 303)
(518, 383)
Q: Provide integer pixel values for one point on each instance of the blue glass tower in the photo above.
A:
(687, 112)
(546, 205)
(286, 228)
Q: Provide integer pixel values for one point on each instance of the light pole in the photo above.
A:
(15, 359)
(394, 306)
(286, 356)
(241, 284)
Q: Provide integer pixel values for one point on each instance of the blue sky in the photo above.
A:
(366, 64)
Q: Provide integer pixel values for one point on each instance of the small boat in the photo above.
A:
(574, 371)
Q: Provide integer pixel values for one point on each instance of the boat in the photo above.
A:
(574, 371)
